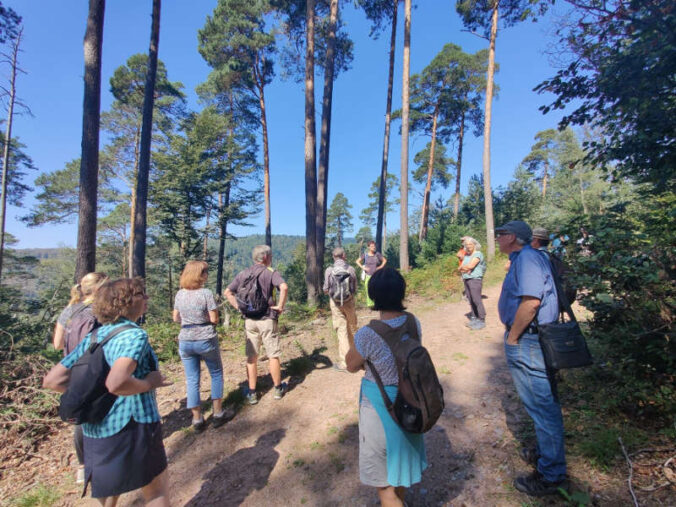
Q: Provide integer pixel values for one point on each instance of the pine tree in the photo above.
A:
(339, 218)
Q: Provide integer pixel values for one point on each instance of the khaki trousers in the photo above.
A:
(344, 320)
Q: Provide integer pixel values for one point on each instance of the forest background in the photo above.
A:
(601, 159)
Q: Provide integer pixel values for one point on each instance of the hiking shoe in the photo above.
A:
(470, 316)
(80, 475)
(280, 390)
(476, 324)
(536, 485)
(220, 419)
(339, 368)
(199, 426)
(530, 455)
(252, 397)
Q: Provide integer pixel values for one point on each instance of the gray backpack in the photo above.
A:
(339, 284)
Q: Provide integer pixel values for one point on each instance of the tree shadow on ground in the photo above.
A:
(294, 372)
(233, 479)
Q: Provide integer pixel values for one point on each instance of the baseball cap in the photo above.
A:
(520, 229)
(540, 233)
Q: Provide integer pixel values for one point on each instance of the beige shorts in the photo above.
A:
(262, 332)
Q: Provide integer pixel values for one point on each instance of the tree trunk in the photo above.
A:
(430, 174)
(171, 288)
(132, 217)
(325, 139)
(311, 279)
(205, 244)
(380, 224)
(223, 204)
(458, 165)
(488, 195)
(403, 229)
(89, 162)
(266, 154)
(384, 234)
(140, 216)
(544, 180)
(8, 141)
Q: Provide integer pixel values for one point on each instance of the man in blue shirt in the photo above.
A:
(528, 297)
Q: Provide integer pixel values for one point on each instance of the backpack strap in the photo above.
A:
(77, 312)
(391, 335)
(94, 339)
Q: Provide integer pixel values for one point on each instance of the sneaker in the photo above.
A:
(220, 419)
(80, 475)
(252, 397)
(339, 368)
(470, 316)
(530, 455)
(476, 324)
(280, 390)
(199, 426)
(536, 485)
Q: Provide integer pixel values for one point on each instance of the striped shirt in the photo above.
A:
(142, 407)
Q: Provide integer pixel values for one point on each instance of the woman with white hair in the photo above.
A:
(472, 271)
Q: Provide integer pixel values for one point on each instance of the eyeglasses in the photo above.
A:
(498, 234)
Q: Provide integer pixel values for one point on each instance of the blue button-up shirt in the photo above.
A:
(131, 343)
(529, 274)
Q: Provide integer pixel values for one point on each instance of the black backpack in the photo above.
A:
(251, 301)
(561, 269)
(420, 397)
(87, 399)
(339, 288)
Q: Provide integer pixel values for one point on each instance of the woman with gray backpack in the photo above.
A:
(73, 324)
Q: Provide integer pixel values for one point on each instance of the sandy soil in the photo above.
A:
(304, 449)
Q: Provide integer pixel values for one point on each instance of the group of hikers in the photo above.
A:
(123, 451)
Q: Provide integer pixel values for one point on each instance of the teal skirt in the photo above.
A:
(405, 452)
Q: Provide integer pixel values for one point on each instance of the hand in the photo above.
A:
(512, 341)
(156, 379)
(279, 309)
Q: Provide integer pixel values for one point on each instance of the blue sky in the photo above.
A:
(53, 88)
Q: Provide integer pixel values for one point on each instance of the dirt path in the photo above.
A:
(304, 449)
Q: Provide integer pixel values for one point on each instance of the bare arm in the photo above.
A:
(469, 267)
(57, 378)
(354, 360)
(524, 316)
(121, 382)
(176, 316)
(231, 298)
(59, 337)
(283, 292)
(213, 316)
(359, 263)
(382, 264)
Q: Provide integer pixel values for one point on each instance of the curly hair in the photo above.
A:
(114, 299)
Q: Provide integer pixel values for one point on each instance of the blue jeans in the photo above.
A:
(527, 366)
(191, 352)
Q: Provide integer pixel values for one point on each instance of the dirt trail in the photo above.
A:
(304, 448)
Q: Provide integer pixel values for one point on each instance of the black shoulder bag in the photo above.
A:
(563, 344)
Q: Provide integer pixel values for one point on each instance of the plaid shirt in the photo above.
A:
(131, 343)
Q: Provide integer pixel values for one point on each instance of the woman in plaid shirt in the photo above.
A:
(124, 451)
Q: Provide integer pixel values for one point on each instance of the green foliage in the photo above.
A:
(441, 175)
(163, 337)
(369, 214)
(338, 219)
(294, 274)
(476, 14)
(38, 496)
(621, 82)
(443, 237)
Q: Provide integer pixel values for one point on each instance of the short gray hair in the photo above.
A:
(339, 251)
(260, 252)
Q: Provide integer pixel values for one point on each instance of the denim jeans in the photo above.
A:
(527, 366)
(191, 352)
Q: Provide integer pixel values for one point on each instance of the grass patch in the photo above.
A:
(444, 370)
(459, 357)
(315, 445)
(38, 496)
(298, 462)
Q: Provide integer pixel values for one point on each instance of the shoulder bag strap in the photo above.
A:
(110, 335)
(564, 304)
